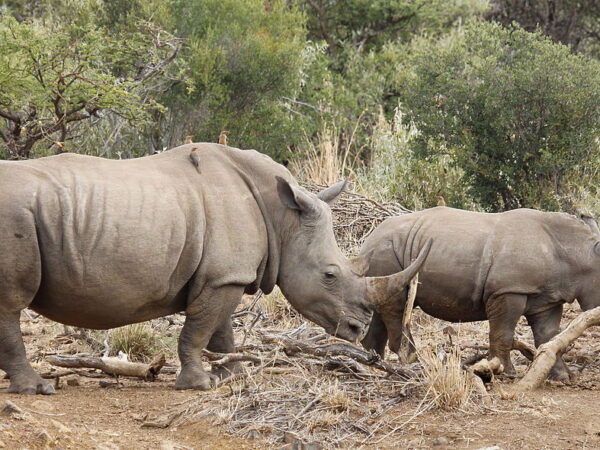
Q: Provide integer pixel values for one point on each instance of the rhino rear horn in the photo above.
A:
(382, 290)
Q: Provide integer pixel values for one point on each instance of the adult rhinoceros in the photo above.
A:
(490, 266)
(101, 243)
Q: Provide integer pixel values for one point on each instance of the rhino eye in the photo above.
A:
(330, 275)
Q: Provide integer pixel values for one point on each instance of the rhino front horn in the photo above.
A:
(383, 290)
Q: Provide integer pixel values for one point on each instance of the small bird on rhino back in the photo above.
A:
(223, 137)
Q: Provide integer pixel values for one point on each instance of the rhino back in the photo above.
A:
(476, 255)
(120, 241)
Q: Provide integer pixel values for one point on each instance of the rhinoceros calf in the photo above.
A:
(101, 243)
(494, 267)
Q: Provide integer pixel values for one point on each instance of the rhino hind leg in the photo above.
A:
(545, 325)
(204, 315)
(503, 313)
(13, 360)
(222, 341)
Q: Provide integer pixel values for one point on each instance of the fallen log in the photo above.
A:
(546, 354)
(111, 366)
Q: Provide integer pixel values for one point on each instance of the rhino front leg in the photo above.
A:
(222, 342)
(13, 360)
(203, 316)
(377, 335)
(503, 313)
(545, 325)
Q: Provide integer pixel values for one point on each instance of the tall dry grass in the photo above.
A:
(446, 382)
(329, 158)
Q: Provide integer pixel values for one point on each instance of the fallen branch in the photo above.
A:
(525, 349)
(111, 366)
(546, 354)
(406, 352)
(339, 349)
(484, 370)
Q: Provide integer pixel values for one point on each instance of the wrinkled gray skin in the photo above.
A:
(494, 267)
(101, 243)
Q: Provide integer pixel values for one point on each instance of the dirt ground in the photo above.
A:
(87, 416)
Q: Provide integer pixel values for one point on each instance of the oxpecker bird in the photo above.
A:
(223, 137)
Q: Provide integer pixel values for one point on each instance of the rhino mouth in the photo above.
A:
(353, 330)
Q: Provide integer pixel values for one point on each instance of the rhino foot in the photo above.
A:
(227, 370)
(30, 385)
(195, 379)
(560, 374)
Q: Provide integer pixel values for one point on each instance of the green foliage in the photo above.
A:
(55, 76)
(245, 62)
(519, 112)
(395, 173)
(369, 24)
(353, 77)
(573, 23)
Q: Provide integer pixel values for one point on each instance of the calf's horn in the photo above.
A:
(383, 290)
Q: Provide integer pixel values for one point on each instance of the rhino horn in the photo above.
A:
(383, 290)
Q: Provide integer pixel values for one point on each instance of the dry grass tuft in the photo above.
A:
(448, 384)
(320, 163)
(336, 398)
(138, 340)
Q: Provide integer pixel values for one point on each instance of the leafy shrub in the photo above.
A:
(396, 172)
(520, 113)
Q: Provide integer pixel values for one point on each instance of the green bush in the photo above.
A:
(520, 113)
(395, 173)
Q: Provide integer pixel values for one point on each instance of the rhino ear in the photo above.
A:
(295, 197)
(331, 194)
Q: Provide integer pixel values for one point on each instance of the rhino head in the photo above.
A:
(314, 275)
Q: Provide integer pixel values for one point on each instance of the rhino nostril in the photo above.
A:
(355, 327)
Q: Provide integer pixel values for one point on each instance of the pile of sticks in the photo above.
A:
(356, 216)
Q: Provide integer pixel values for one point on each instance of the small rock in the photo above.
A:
(43, 437)
(440, 441)
(2, 444)
(293, 442)
(253, 434)
(10, 408)
(62, 428)
(72, 382)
